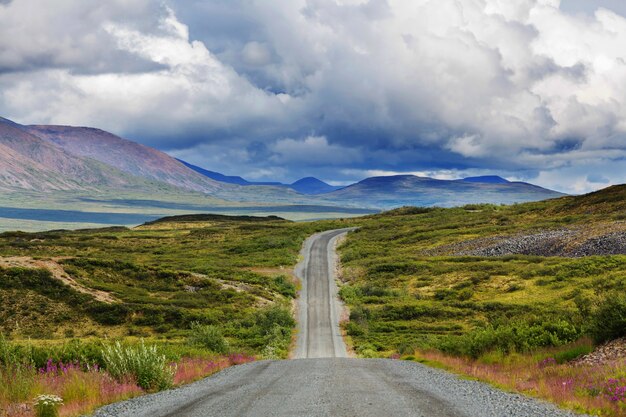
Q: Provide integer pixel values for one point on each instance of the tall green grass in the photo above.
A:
(142, 364)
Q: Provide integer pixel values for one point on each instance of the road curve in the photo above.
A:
(322, 381)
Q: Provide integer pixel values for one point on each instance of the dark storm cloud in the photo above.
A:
(335, 88)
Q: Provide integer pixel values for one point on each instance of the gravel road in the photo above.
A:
(318, 307)
(323, 382)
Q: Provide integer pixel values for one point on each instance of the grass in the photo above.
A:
(163, 277)
(405, 285)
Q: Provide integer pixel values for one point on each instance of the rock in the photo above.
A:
(609, 352)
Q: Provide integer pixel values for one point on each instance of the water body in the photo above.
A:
(127, 219)
(75, 216)
(222, 209)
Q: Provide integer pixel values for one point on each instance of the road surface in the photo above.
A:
(322, 381)
(318, 307)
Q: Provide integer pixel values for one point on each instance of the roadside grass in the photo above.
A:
(85, 386)
(598, 390)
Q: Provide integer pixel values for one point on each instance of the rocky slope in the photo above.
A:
(574, 242)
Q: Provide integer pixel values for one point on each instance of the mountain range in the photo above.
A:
(410, 190)
(47, 160)
(307, 185)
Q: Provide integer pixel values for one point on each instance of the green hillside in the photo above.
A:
(155, 280)
(424, 278)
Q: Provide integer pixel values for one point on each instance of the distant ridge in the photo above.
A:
(307, 185)
(127, 156)
(230, 179)
(91, 162)
(28, 162)
(487, 179)
(409, 190)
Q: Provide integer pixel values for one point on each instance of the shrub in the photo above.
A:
(207, 336)
(274, 316)
(274, 325)
(514, 337)
(406, 349)
(608, 321)
(143, 364)
(285, 286)
(360, 314)
(354, 329)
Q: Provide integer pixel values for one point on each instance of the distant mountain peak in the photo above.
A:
(312, 185)
(487, 179)
(309, 180)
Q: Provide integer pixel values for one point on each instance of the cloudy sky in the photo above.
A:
(341, 89)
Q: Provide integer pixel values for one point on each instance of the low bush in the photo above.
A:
(141, 364)
(608, 320)
(354, 329)
(515, 337)
(285, 286)
(208, 336)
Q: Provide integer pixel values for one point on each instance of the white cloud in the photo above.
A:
(257, 54)
(313, 150)
(192, 87)
(515, 86)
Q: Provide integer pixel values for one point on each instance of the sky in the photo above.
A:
(531, 90)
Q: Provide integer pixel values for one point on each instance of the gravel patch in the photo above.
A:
(570, 243)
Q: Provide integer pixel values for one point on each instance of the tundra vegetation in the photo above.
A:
(517, 320)
(96, 316)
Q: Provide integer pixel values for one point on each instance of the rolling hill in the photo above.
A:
(28, 162)
(83, 158)
(409, 190)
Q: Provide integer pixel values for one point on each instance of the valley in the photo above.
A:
(420, 284)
